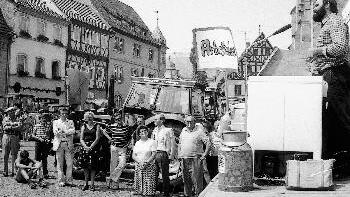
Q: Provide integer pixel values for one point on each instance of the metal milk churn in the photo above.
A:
(235, 158)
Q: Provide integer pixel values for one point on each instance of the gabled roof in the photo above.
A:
(254, 44)
(81, 12)
(286, 63)
(4, 28)
(40, 6)
(158, 35)
(112, 9)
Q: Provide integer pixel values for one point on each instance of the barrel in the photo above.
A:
(235, 161)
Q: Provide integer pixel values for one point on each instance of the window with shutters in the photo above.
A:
(22, 63)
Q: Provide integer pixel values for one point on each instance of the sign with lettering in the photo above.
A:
(215, 48)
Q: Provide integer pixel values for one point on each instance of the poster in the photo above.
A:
(215, 48)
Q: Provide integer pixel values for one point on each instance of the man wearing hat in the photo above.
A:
(192, 156)
(10, 139)
(63, 130)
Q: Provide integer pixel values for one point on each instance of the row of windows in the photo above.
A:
(89, 36)
(22, 66)
(135, 72)
(41, 27)
(119, 46)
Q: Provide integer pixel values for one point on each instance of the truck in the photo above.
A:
(176, 99)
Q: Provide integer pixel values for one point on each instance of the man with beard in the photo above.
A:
(330, 59)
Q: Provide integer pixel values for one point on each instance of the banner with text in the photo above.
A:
(215, 48)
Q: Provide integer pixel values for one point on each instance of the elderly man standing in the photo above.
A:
(331, 60)
(10, 139)
(63, 130)
(191, 154)
(165, 143)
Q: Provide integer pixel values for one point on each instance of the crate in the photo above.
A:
(309, 175)
(29, 146)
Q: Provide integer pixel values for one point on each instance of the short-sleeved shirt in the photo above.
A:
(144, 149)
(163, 136)
(121, 135)
(191, 143)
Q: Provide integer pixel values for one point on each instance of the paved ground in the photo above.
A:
(9, 187)
(342, 189)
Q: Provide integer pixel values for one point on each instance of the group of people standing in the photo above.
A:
(152, 151)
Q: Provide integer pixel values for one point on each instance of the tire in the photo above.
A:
(78, 172)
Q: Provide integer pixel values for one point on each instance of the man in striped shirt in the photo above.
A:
(41, 134)
(120, 137)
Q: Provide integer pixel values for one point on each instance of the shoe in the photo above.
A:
(61, 184)
(70, 184)
(92, 188)
(5, 174)
(12, 174)
(32, 185)
(42, 184)
(86, 187)
(46, 176)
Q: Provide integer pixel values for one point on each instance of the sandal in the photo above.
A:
(92, 188)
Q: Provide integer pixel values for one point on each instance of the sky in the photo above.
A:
(177, 18)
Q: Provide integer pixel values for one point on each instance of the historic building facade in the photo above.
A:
(134, 50)
(87, 49)
(37, 54)
(6, 35)
(254, 57)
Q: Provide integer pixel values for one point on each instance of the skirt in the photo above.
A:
(145, 179)
(88, 159)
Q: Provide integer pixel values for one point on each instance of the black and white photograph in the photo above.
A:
(174, 98)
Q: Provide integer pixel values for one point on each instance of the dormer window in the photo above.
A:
(24, 23)
(41, 27)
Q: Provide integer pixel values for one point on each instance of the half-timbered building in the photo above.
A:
(88, 46)
(254, 56)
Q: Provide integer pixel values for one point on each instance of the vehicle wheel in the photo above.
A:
(78, 172)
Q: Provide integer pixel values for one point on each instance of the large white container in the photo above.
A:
(285, 113)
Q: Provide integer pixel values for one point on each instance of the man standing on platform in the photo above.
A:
(191, 153)
(10, 139)
(63, 130)
(331, 60)
(165, 143)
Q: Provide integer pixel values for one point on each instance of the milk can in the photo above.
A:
(235, 162)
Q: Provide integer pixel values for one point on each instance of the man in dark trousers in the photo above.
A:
(165, 145)
(330, 58)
